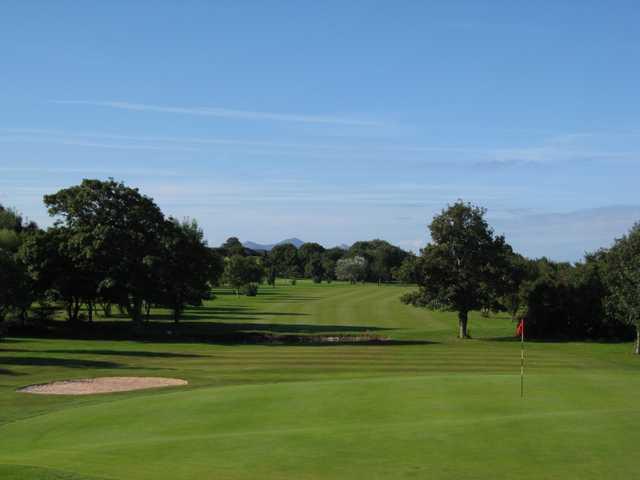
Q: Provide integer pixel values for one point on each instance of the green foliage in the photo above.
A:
(407, 272)
(10, 219)
(241, 271)
(314, 268)
(10, 240)
(232, 246)
(16, 290)
(353, 269)
(622, 274)
(463, 269)
(57, 270)
(118, 232)
(284, 258)
(517, 284)
(186, 269)
(381, 257)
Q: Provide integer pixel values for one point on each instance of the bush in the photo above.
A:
(250, 290)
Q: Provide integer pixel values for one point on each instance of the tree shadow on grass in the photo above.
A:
(4, 371)
(57, 362)
(123, 353)
(511, 339)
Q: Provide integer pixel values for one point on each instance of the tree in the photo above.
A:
(15, 285)
(464, 266)
(116, 230)
(314, 268)
(514, 298)
(232, 246)
(407, 271)
(622, 278)
(352, 269)
(330, 259)
(285, 259)
(381, 257)
(241, 271)
(51, 260)
(310, 257)
(187, 267)
(309, 250)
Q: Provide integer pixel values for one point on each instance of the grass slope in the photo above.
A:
(446, 409)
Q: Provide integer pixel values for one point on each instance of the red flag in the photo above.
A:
(520, 329)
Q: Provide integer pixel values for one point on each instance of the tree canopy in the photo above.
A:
(463, 267)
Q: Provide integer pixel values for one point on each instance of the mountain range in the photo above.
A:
(296, 242)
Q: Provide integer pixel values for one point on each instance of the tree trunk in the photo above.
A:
(462, 324)
(135, 311)
(90, 311)
(637, 349)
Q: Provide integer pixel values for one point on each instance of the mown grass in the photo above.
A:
(435, 407)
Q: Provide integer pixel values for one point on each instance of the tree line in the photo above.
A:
(467, 267)
(112, 247)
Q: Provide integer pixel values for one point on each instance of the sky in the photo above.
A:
(332, 121)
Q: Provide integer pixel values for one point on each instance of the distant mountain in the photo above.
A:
(296, 242)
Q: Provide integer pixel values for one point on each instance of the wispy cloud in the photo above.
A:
(225, 113)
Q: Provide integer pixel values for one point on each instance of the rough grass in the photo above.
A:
(435, 407)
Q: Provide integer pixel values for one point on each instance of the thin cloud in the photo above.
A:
(224, 113)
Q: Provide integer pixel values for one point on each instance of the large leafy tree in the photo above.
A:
(309, 250)
(406, 272)
(353, 269)
(464, 266)
(58, 271)
(314, 268)
(242, 271)
(233, 246)
(518, 276)
(285, 259)
(310, 255)
(382, 258)
(623, 280)
(117, 230)
(16, 288)
(187, 267)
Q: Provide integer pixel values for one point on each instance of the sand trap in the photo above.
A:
(91, 386)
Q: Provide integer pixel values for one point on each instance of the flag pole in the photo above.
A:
(522, 360)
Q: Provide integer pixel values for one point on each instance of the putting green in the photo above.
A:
(443, 410)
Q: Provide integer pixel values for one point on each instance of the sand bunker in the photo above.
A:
(91, 386)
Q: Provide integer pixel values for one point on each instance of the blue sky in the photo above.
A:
(332, 121)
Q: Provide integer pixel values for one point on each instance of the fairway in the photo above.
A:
(425, 406)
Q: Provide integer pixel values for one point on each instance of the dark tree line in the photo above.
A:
(366, 261)
(109, 246)
(112, 247)
(467, 267)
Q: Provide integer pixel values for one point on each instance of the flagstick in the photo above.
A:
(522, 361)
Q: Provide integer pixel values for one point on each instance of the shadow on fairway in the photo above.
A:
(123, 353)
(4, 371)
(511, 339)
(57, 362)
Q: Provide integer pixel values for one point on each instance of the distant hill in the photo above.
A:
(296, 242)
